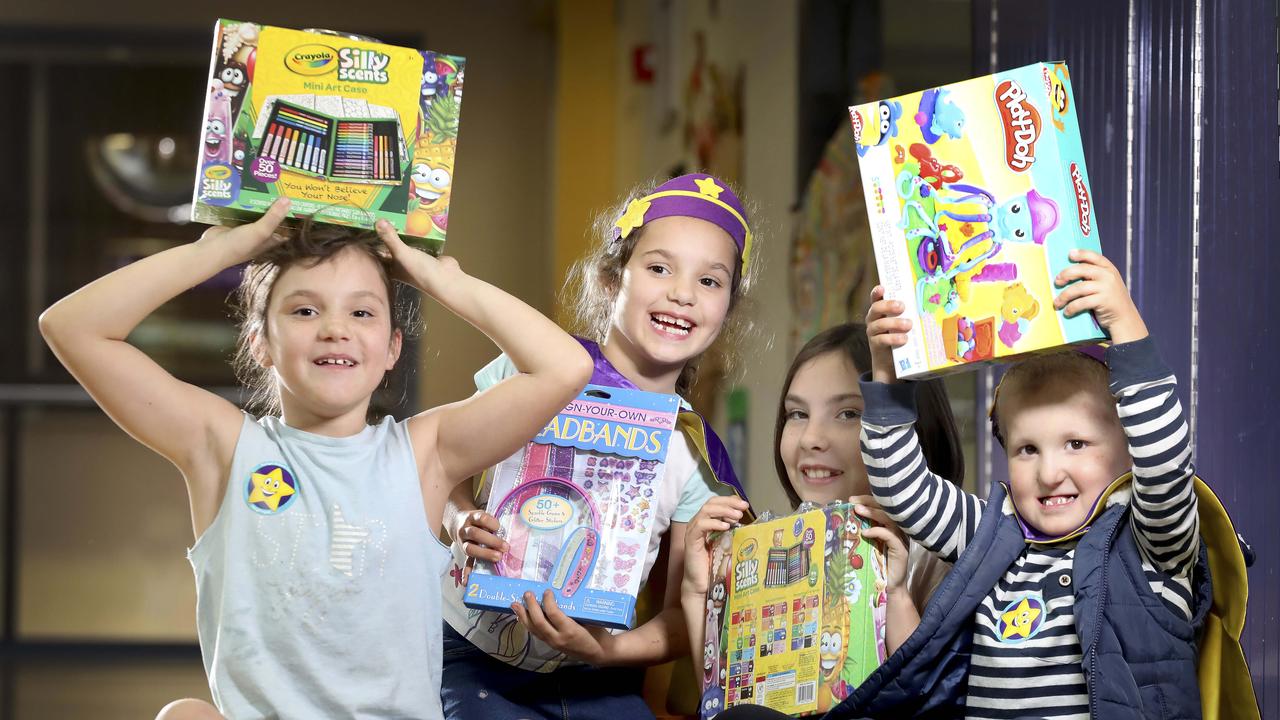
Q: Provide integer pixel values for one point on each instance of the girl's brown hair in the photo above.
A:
(592, 286)
(936, 426)
(308, 245)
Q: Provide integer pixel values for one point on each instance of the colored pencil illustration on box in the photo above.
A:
(351, 131)
(576, 507)
(978, 202)
(795, 613)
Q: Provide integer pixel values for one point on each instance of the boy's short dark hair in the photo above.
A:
(1034, 374)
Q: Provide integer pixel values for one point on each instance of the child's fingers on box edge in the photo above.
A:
(477, 534)
(1081, 255)
(1074, 292)
(1080, 306)
(479, 552)
(480, 518)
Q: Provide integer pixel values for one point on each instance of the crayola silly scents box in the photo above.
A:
(976, 193)
(576, 507)
(355, 131)
(795, 614)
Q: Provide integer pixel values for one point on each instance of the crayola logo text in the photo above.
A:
(311, 59)
(610, 435)
(217, 172)
(1082, 200)
(1021, 125)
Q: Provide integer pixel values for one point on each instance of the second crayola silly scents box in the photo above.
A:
(796, 613)
(353, 131)
(976, 193)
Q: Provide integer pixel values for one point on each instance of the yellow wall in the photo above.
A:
(584, 132)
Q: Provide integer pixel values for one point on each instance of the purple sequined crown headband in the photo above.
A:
(696, 195)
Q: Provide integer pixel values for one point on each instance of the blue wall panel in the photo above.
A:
(1234, 292)
(1238, 441)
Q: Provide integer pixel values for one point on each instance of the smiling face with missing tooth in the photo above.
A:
(673, 295)
(328, 336)
(1065, 445)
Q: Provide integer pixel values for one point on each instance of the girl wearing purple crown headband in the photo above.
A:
(652, 298)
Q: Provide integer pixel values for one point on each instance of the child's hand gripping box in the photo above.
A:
(576, 506)
(976, 193)
(795, 614)
(355, 131)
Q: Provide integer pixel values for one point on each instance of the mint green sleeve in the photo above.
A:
(498, 369)
(700, 487)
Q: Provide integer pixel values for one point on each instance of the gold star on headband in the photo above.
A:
(632, 218)
(708, 186)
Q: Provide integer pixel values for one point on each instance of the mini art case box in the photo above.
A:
(976, 192)
(576, 507)
(354, 131)
(795, 614)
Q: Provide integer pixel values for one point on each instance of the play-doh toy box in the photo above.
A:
(976, 193)
(576, 506)
(795, 614)
(353, 131)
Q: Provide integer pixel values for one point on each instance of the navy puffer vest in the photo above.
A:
(1139, 656)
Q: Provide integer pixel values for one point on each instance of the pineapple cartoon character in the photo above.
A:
(430, 183)
(833, 653)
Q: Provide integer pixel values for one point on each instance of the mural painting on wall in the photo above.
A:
(832, 263)
(712, 111)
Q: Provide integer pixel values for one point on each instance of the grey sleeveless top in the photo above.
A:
(318, 583)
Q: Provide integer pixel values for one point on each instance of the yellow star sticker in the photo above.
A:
(270, 488)
(708, 186)
(1020, 620)
(633, 217)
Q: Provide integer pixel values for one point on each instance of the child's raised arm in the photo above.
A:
(454, 442)
(191, 427)
(1165, 516)
(929, 509)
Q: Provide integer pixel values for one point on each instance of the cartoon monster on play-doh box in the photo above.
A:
(939, 115)
(882, 127)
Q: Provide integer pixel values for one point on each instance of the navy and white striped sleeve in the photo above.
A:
(930, 510)
(1166, 520)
